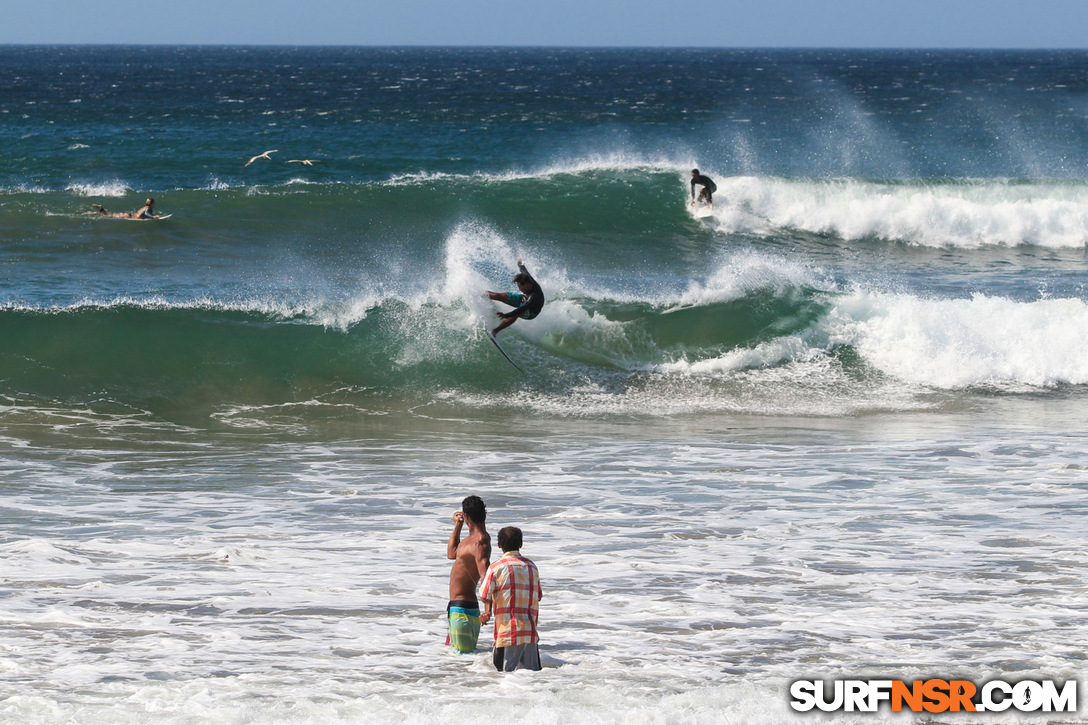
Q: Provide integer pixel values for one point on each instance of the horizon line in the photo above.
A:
(436, 46)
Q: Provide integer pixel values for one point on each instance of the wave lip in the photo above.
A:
(964, 214)
(759, 330)
(762, 348)
(643, 197)
(941, 344)
(963, 343)
(113, 188)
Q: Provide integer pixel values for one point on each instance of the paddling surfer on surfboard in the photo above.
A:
(147, 211)
(527, 303)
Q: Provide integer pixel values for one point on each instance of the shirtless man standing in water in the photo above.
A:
(471, 559)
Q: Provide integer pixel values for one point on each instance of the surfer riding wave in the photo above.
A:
(706, 193)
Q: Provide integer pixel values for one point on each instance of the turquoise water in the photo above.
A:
(833, 429)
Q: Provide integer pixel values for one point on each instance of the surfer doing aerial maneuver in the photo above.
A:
(527, 303)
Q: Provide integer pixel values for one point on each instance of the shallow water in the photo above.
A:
(833, 431)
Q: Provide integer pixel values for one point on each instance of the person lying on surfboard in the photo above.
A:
(527, 303)
(147, 211)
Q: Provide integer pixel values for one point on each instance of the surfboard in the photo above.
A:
(499, 348)
(679, 308)
(146, 219)
(702, 211)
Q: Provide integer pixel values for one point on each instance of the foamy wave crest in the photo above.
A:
(472, 253)
(793, 349)
(614, 162)
(969, 214)
(981, 341)
(945, 344)
(216, 184)
(102, 188)
(331, 314)
(746, 272)
(479, 258)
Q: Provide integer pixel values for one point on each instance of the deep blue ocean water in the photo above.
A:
(855, 390)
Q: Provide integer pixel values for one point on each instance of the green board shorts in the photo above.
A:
(517, 299)
(464, 625)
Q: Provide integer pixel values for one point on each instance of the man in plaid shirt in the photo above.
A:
(511, 589)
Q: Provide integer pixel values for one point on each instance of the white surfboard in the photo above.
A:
(702, 211)
(499, 348)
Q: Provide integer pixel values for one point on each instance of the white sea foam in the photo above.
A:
(216, 184)
(689, 574)
(480, 258)
(906, 345)
(965, 214)
(949, 344)
(957, 343)
(338, 314)
(748, 271)
(116, 188)
(616, 161)
(916, 342)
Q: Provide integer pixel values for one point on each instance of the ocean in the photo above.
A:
(834, 430)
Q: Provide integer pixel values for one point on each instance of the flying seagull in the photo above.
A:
(261, 156)
(307, 162)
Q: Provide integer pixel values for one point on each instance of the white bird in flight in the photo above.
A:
(261, 156)
(307, 162)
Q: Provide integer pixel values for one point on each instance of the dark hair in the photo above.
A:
(522, 278)
(695, 171)
(510, 538)
(474, 508)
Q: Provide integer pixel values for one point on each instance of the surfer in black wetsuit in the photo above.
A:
(527, 303)
(709, 187)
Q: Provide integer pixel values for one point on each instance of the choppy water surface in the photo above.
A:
(833, 430)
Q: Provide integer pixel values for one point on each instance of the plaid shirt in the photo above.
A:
(512, 585)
